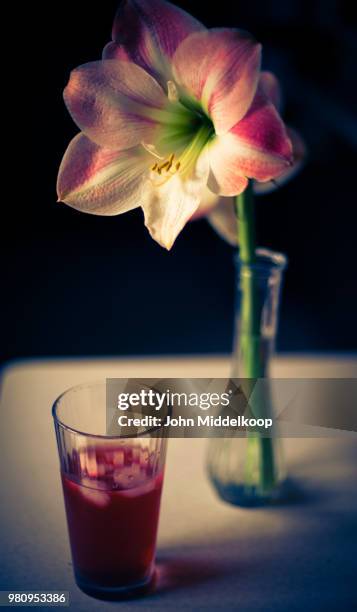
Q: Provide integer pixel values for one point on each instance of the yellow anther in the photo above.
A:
(165, 165)
(171, 159)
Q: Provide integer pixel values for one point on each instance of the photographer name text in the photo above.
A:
(149, 421)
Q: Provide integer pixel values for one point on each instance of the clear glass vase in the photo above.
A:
(249, 471)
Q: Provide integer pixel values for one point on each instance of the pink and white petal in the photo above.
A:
(262, 141)
(270, 86)
(257, 147)
(299, 153)
(167, 208)
(101, 181)
(226, 177)
(150, 32)
(220, 68)
(111, 102)
(224, 220)
(114, 51)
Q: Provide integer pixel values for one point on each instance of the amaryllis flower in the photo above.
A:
(171, 117)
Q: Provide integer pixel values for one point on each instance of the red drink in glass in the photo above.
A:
(112, 515)
(112, 480)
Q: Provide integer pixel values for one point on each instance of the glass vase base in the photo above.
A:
(251, 496)
(132, 591)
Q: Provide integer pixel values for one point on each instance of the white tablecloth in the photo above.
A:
(211, 555)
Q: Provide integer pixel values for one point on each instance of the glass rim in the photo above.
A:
(268, 260)
(87, 385)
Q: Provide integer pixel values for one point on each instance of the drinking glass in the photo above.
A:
(112, 489)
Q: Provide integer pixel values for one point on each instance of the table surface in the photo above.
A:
(211, 555)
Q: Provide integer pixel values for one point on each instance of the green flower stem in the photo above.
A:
(260, 465)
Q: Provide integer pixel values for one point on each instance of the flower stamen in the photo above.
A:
(182, 161)
(167, 169)
(150, 148)
(167, 166)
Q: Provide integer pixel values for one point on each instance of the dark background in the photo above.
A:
(76, 284)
